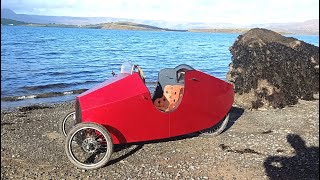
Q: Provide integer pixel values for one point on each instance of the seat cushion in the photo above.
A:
(171, 97)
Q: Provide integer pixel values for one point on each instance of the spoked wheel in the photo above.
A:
(216, 129)
(89, 146)
(67, 122)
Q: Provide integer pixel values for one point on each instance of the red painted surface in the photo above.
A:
(205, 102)
(124, 106)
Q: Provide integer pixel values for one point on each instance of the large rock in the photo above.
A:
(269, 69)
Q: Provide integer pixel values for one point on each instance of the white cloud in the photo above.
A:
(209, 11)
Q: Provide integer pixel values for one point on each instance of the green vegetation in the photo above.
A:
(113, 25)
(20, 23)
(11, 22)
(54, 25)
(127, 26)
(119, 26)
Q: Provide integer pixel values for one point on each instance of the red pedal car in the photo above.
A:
(122, 110)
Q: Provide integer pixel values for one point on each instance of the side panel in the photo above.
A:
(106, 92)
(205, 102)
(130, 116)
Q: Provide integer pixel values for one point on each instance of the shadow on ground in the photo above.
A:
(235, 114)
(303, 165)
(127, 154)
(138, 146)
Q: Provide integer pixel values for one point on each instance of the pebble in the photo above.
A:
(32, 155)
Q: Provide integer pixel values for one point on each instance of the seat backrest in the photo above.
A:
(171, 98)
(166, 76)
(169, 76)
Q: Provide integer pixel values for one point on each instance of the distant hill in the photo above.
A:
(222, 30)
(114, 25)
(20, 23)
(9, 14)
(11, 22)
(128, 26)
(307, 27)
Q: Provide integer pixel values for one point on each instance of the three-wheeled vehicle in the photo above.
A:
(122, 110)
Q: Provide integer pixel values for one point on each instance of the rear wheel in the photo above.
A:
(216, 129)
(89, 146)
(67, 122)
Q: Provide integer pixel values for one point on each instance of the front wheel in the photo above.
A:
(67, 122)
(216, 129)
(89, 145)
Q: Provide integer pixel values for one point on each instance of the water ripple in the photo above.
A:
(40, 60)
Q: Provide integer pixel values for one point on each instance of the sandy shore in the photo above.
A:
(260, 144)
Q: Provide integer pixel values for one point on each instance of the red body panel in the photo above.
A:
(124, 106)
(205, 102)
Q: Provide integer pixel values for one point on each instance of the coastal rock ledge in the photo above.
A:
(271, 70)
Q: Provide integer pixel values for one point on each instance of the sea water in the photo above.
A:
(55, 62)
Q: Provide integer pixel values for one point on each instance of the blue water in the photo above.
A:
(37, 60)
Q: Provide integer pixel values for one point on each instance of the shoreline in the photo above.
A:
(36, 106)
(211, 31)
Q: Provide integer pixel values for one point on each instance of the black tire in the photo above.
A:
(67, 122)
(83, 138)
(216, 129)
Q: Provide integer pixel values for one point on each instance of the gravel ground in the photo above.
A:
(258, 144)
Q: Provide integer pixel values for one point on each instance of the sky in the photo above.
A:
(242, 12)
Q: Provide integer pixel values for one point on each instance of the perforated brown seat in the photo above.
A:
(171, 98)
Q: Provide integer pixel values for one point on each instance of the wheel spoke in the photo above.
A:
(78, 153)
(90, 159)
(94, 156)
(83, 155)
(67, 123)
(97, 136)
(93, 148)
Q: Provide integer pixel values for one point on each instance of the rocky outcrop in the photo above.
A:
(269, 69)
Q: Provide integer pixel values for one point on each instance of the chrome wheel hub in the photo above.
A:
(90, 145)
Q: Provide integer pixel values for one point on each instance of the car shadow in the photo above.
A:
(122, 147)
(235, 114)
(177, 138)
(139, 146)
(303, 165)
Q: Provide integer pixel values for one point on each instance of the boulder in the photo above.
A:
(271, 70)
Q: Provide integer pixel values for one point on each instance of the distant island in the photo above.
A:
(112, 25)
(9, 17)
(129, 26)
(222, 30)
(124, 26)
(117, 26)
(11, 22)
